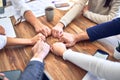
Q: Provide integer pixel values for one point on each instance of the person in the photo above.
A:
(97, 11)
(25, 12)
(99, 31)
(104, 69)
(35, 68)
(10, 41)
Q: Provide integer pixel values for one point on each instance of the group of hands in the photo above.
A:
(58, 48)
(42, 48)
(57, 31)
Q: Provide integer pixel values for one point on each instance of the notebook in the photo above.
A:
(7, 25)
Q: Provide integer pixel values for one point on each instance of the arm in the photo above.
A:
(73, 38)
(34, 70)
(93, 33)
(99, 67)
(22, 41)
(57, 30)
(99, 18)
(70, 15)
(104, 30)
(31, 18)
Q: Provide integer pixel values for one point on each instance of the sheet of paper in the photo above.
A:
(90, 76)
(37, 7)
(9, 11)
(110, 41)
(9, 30)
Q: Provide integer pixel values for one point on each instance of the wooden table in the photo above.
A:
(17, 57)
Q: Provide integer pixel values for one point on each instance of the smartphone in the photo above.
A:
(100, 54)
(59, 5)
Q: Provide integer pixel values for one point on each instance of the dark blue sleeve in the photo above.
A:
(33, 71)
(104, 30)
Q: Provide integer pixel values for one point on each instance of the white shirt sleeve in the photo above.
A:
(102, 68)
(36, 59)
(20, 6)
(3, 41)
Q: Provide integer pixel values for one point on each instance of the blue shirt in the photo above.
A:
(104, 30)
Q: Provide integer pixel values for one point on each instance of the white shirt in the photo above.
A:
(3, 41)
(20, 6)
(102, 68)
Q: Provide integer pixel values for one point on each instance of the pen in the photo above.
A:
(2, 17)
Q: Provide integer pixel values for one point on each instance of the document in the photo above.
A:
(9, 11)
(90, 76)
(7, 25)
(37, 7)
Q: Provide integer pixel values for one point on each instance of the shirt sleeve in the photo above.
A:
(104, 30)
(102, 68)
(73, 12)
(100, 18)
(33, 71)
(20, 6)
(3, 41)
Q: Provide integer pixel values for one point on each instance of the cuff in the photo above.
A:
(85, 14)
(66, 54)
(63, 22)
(36, 59)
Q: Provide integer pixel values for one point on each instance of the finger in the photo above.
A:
(60, 34)
(43, 37)
(39, 42)
(2, 74)
(62, 39)
(55, 33)
(67, 45)
(49, 31)
(6, 78)
(51, 48)
(44, 32)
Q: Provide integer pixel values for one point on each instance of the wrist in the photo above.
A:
(40, 56)
(82, 36)
(61, 25)
(62, 52)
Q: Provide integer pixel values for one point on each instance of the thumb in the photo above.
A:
(67, 45)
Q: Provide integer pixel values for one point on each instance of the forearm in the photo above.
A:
(99, 67)
(31, 18)
(72, 13)
(18, 41)
(81, 36)
(104, 30)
